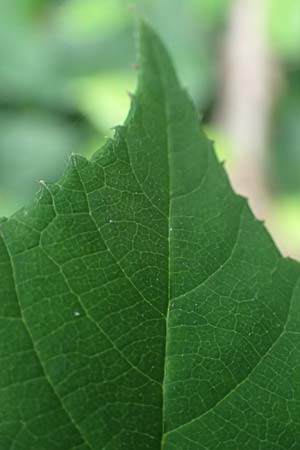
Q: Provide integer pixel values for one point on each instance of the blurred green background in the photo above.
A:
(67, 67)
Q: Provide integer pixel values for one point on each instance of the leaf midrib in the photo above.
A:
(283, 331)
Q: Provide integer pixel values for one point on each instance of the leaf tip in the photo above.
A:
(132, 8)
(145, 30)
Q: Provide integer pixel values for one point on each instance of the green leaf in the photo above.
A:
(142, 304)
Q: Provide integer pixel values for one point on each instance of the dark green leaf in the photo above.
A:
(142, 304)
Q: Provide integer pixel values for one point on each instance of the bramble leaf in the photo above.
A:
(142, 305)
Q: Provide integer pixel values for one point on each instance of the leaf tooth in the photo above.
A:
(130, 94)
(77, 158)
(41, 182)
(43, 186)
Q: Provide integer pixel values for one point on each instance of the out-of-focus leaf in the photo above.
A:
(33, 146)
(285, 143)
(105, 99)
(284, 25)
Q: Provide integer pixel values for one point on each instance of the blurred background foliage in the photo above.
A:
(67, 67)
